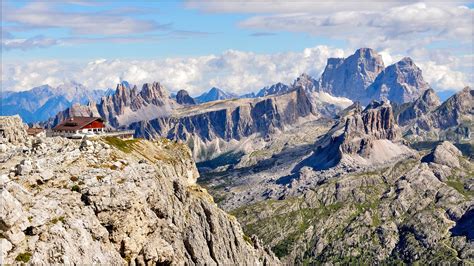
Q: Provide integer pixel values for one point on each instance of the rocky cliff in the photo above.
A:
(425, 104)
(113, 202)
(452, 120)
(125, 106)
(206, 127)
(182, 97)
(360, 137)
(351, 76)
(305, 81)
(400, 83)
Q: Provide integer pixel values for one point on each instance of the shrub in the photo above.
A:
(76, 188)
(23, 257)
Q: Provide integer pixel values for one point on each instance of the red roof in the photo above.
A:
(33, 131)
(76, 123)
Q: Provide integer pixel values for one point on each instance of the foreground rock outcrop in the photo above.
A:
(113, 202)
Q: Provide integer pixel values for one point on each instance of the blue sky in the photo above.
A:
(184, 32)
(230, 44)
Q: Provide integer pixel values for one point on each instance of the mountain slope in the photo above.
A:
(426, 103)
(112, 202)
(410, 211)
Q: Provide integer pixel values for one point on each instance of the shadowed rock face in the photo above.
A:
(182, 97)
(400, 83)
(428, 102)
(351, 76)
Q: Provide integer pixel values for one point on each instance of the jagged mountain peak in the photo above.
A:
(306, 82)
(215, 94)
(366, 53)
(400, 82)
(182, 97)
(153, 90)
(360, 138)
(275, 89)
(349, 77)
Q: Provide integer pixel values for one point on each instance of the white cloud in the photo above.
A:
(26, 44)
(41, 15)
(442, 77)
(396, 25)
(234, 71)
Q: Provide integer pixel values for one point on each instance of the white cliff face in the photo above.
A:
(112, 202)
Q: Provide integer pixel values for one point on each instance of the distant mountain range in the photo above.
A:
(215, 94)
(360, 77)
(40, 103)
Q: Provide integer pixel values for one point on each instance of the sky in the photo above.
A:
(238, 46)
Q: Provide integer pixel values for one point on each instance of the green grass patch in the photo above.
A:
(76, 188)
(58, 219)
(23, 257)
(459, 186)
(123, 145)
(248, 239)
